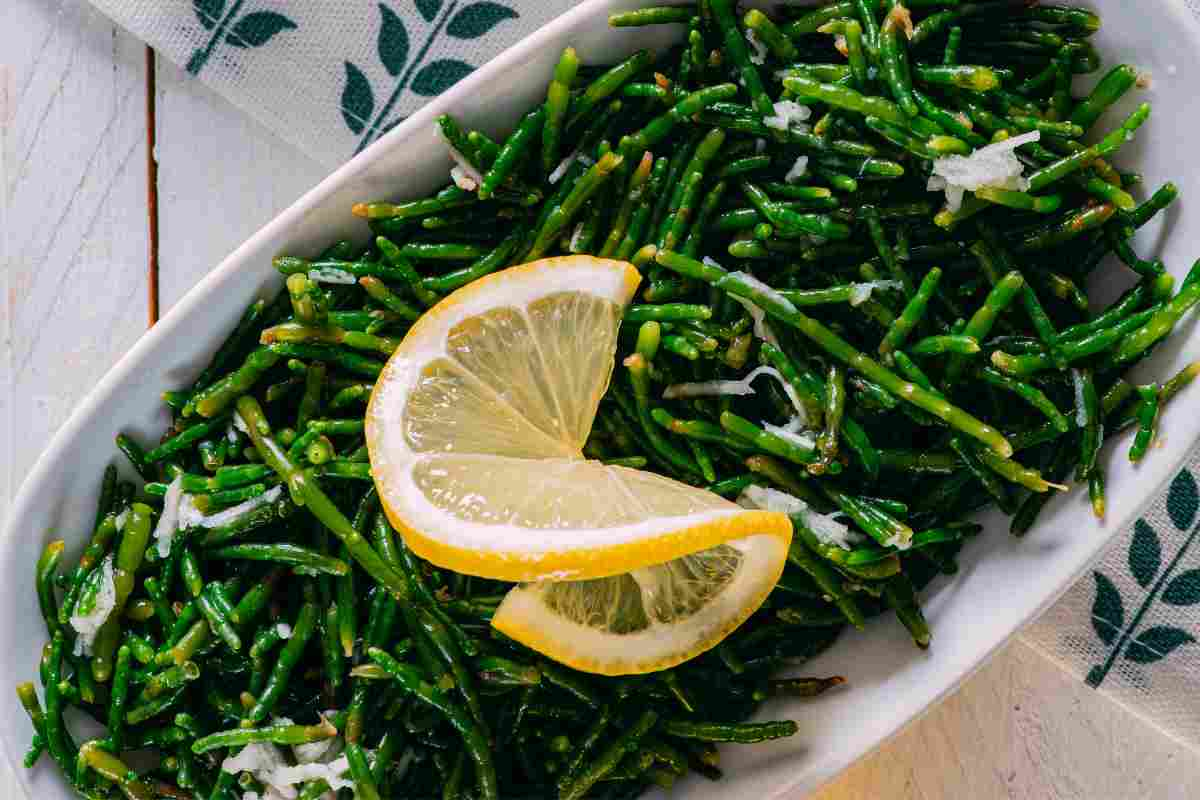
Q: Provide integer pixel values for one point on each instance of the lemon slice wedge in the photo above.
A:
(476, 428)
(651, 618)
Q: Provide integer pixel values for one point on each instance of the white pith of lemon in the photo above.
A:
(477, 424)
(476, 429)
(651, 618)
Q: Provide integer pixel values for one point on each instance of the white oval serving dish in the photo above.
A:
(1003, 584)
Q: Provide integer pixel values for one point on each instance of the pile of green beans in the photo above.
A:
(978, 372)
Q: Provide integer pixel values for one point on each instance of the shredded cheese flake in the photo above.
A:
(576, 237)
(761, 329)
(803, 440)
(823, 526)
(284, 630)
(268, 766)
(740, 388)
(1081, 416)
(765, 290)
(190, 516)
(331, 275)
(798, 170)
(861, 292)
(759, 54)
(88, 624)
(168, 521)
(462, 179)
(788, 114)
(995, 166)
(561, 169)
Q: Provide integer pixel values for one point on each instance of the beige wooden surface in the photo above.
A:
(73, 239)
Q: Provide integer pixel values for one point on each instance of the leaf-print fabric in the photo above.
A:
(332, 77)
(1131, 628)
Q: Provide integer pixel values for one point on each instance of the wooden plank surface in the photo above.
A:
(221, 177)
(1023, 728)
(72, 219)
(75, 195)
(73, 243)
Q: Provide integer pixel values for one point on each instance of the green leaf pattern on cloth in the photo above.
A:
(234, 25)
(358, 102)
(477, 19)
(208, 12)
(1145, 554)
(429, 9)
(421, 74)
(258, 28)
(393, 41)
(438, 76)
(284, 62)
(1108, 612)
(1165, 585)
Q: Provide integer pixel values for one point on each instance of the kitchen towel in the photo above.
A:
(331, 76)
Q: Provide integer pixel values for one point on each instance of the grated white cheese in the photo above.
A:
(1080, 410)
(788, 114)
(766, 290)
(88, 624)
(322, 752)
(287, 778)
(759, 50)
(794, 425)
(331, 275)
(268, 766)
(798, 170)
(740, 388)
(682, 391)
(861, 292)
(827, 529)
(761, 329)
(120, 519)
(231, 434)
(466, 168)
(189, 515)
(996, 166)
(839, 44)
(192, 518)
(462, 179)
(804, 440)
(562, 168)
(576, 237)
(168, 522)
(284, 630)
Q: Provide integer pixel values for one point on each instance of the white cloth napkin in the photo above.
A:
(331, 76)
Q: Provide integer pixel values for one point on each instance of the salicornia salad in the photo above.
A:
(864, 231)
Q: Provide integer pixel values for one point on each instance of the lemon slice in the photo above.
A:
(651, 618)
(476, 428)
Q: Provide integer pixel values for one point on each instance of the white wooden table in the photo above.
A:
(74, 255)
